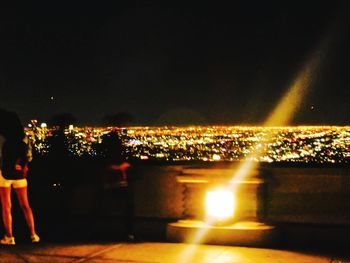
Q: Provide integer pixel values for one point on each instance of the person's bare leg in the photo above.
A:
(5, 196)
(27, 210)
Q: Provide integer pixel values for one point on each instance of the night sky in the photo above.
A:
(173, 64)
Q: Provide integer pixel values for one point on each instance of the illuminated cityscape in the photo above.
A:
(303, 144)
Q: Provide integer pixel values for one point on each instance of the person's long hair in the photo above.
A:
(11, 127)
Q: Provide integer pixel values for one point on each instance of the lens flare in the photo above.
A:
(282, 114)
(292, 99)
(286, 108)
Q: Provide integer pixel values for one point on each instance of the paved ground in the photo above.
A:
(156, 252)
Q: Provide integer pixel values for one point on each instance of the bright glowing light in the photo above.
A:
(71, 127)
(43, 125)
(220, 204)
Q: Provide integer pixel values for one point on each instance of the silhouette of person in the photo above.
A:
(115, 164)
(116, 177)
(12, 130)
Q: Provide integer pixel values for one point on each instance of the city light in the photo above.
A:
(299, 144)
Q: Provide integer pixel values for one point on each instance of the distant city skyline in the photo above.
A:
(206, 143)
(174, 64)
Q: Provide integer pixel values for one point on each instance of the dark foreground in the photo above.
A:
(80, 221)
(158, 252)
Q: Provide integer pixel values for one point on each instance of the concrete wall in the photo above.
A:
(155, 192)
(293, 195)
(308, 195)
(310, 206)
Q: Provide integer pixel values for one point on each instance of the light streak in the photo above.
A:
(281, 115)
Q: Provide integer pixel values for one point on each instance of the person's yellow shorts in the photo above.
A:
(14, 183)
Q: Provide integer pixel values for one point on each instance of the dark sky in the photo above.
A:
(179, 64)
